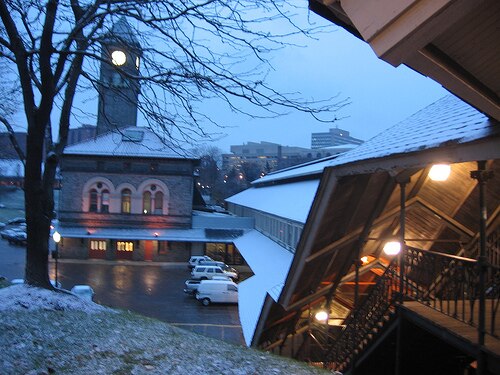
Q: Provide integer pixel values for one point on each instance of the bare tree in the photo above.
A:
(193, 52)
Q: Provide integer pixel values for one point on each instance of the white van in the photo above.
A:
(217, 291)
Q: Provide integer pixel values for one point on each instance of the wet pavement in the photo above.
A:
(154, 290)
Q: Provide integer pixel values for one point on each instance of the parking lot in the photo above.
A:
(149, 289)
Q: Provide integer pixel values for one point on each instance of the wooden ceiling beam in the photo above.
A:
(442, 215)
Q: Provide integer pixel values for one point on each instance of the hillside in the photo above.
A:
(43, 332)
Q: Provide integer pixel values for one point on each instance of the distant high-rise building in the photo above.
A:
(272, 156)
(334, 137)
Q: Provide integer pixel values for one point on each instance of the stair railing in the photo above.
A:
(444, 282)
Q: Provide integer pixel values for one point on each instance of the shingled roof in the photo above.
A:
(128, 142)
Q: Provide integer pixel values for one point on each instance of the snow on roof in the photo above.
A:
(188, 235)
(307, 169)
(280, 200)
(23, 297)
(270, 264)
(449, 120)
(132, 142)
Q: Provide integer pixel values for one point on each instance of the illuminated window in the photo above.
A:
(126, 201)
(98, 245)
(152, 200)
(125, 246)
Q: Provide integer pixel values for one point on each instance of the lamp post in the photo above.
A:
(56, 237)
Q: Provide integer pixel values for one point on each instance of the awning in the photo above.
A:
(183, 235)
(270, 263)
(291, 201)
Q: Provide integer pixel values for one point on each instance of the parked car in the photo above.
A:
(191, 286)
(208, 272)
(16, 221)
(18, 238)
(222, 265)
(15, 235)
(195, 259)
(83, 291)
(217, 291)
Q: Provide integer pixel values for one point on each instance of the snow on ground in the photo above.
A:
(46, 332)
(24, 297)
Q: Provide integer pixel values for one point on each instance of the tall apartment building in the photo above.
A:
(334, 137)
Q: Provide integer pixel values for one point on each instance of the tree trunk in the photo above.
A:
(39, 205)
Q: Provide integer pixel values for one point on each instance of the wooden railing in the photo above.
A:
(447, 283)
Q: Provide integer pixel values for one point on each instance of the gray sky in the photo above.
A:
(337, 63)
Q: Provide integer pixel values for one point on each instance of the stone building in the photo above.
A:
(125, 193)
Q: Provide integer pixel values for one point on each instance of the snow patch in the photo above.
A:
(23, 297)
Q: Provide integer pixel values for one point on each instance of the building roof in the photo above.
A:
(269, 263)
(182, 235)
(7, 150)
(128, 142)
(447, 122)
(357, 205)
(280, 200)
(453, 42)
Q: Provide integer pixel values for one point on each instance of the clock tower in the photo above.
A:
(119, 86)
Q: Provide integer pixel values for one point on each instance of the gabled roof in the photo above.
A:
(446, 122)
(280, 200)
(357, 205)
(128, 142)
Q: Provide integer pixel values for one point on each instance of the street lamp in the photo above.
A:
(55, 254)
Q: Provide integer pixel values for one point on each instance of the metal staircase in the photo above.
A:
(446, 283)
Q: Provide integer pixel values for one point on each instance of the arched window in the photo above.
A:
(93, 200)
(158, 209)
(146, 203)
(126, 201)
(105, 201)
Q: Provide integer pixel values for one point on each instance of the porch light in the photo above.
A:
(364, 260)
(439, 172)
(392, 248)
(56, 237)
(321, 316)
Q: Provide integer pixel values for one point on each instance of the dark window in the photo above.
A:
(158, 209)
(105, 201)
(93, 201)
(146, 203)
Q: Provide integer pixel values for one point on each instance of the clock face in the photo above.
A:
(118, 57)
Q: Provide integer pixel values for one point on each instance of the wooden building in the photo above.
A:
(433, 307)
